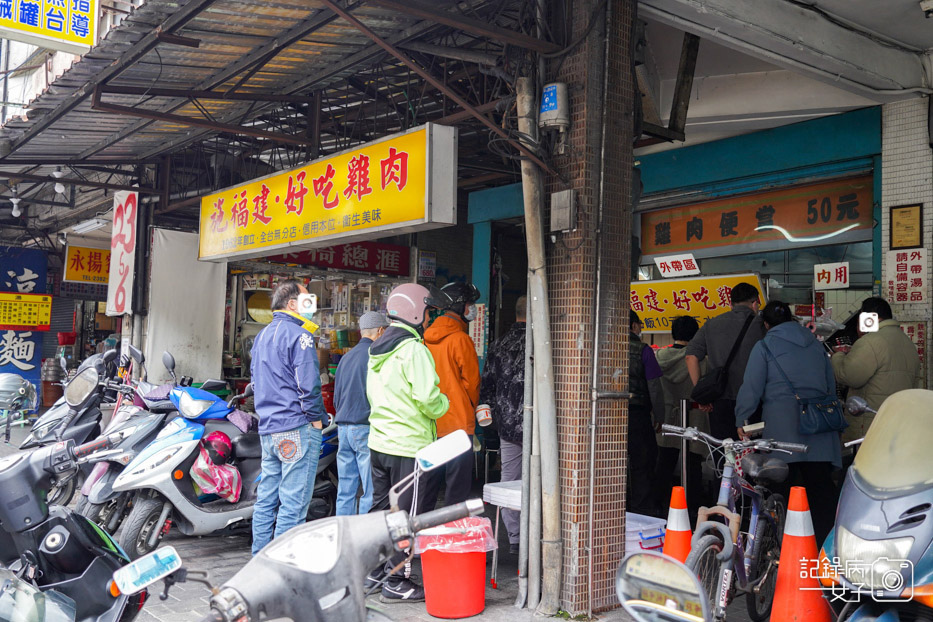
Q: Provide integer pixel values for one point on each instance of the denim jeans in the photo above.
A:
(354, 469)
(289, 466)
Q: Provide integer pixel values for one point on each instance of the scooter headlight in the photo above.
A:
(192, 408)
(874, 564)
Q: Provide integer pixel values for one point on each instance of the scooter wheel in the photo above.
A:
(62, 494)
(139, 527)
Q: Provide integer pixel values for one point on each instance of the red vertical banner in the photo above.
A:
(123, 253)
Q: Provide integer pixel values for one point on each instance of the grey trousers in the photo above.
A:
(511, 456)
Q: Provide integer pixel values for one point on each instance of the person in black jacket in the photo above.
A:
(353, 461)
(503, 389)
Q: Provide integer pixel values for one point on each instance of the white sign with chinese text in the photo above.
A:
(907, 276)
(831, 275)
(122, 254)
(427, 265)
(672, 266)
(478, 330)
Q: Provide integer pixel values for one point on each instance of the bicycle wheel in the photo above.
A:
(765, 556)
(703, 562)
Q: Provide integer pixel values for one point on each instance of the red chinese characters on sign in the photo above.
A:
(358, 178)
(831, 275)
(324, 185)
(123, 253)
(260, 205)
(240, 211)
(395, 169)
(218, 217)
(907, 276)
(371, 257)
(295, 198)
(677, 265)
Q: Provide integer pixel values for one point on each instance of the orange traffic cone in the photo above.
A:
(677, 538)
(798, 594)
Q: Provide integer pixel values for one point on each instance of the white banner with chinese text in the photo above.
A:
(122, 253)
(907, 278)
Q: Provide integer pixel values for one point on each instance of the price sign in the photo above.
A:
(25, 311)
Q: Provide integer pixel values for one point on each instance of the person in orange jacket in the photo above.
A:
(458, 369)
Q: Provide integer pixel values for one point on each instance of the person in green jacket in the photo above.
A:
(877, 365)
(405, 402)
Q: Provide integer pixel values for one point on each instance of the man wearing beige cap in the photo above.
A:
(353, 460)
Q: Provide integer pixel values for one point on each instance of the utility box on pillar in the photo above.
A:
(563, 211)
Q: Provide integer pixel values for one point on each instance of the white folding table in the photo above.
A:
(506, 495)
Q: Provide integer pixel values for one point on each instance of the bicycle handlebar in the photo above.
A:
(694, 434)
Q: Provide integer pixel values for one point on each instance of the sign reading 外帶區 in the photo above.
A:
(402, 183)
(703, 297)
(832, 212)
(66, 25)
(86, 265)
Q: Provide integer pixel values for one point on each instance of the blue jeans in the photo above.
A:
(354, 469)
(289, 466)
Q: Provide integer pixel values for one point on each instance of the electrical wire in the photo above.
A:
(582, 37)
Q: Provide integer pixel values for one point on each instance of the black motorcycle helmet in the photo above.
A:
(17, 393)
(461, 295)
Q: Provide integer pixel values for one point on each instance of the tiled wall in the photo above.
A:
(572, 283)
(907, 177)
(845, 302)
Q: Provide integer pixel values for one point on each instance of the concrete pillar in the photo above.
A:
(572, 264)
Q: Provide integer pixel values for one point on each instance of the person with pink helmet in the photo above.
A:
(405, 402)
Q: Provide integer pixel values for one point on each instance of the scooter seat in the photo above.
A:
(764, 468)
(247, 446)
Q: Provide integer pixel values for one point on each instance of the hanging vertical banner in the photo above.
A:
(478, 329)
(122, 254)
(906, 276)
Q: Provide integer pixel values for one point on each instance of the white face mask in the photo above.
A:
(470, 314)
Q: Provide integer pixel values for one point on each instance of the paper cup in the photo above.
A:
(483, 415)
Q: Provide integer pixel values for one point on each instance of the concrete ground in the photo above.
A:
(223, 556)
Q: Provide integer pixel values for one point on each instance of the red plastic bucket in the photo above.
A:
(454, 583)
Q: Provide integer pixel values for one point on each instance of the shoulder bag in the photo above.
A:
(817, 415)
(712, 384)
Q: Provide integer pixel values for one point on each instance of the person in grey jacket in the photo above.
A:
(805, 363)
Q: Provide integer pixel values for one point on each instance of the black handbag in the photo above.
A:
(817, 414)
(712, 384)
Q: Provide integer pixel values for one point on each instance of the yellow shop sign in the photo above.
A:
(402, 183)
(657, 303)
(87, 265)
(66, 25)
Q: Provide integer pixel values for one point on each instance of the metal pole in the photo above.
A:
(527, 441)
(545, 410)
(683, 444)
(534, 515)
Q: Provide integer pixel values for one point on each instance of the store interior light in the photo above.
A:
(90, 225)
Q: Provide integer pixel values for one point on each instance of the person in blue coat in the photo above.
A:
(806, 364)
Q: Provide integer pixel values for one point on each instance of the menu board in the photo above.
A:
(25, 311)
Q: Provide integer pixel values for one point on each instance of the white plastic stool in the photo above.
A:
(506, 495)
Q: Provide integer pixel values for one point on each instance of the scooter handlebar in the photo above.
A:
(87, 449)
(471, 507)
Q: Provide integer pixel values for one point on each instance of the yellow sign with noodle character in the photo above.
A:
(398, 184)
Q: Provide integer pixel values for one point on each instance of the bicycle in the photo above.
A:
(747, 562)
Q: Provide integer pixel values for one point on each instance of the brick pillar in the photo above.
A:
(572, 282)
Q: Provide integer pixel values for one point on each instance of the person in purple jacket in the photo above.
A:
(287, 388)
(647, 399)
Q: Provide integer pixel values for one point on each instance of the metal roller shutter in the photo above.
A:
(62, 320)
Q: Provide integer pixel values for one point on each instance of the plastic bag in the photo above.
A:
(221, 480)
(467, 535)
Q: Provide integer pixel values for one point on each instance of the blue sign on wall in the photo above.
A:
(549, 98)
(22, 270)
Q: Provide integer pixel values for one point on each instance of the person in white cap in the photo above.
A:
(353, 465)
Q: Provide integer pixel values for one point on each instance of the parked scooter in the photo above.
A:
(80, 424)
(656, 588)
(878, 560)
(316, 572)
(165, 491)
(57, 550)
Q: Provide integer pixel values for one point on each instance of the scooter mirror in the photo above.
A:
(110, 355)
(140, 574)
(653, 587)
(248, 391)
(856, 406)
(443, 450)
(137, 355)
(169, 361)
